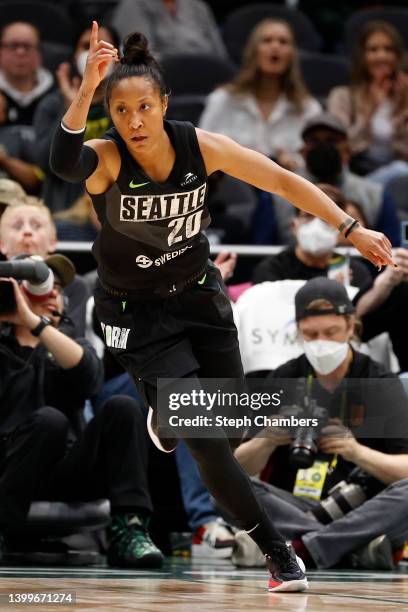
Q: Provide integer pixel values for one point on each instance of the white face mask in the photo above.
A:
(325, 355)
(81, 63)
(316, 237)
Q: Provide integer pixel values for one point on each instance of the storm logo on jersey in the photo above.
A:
(183, 210)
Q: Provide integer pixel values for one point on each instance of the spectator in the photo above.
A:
(45, 378)
(265, 106)
(326, 153)
(9, 192)
(16, 152)
(79, 222)
(374, 107)
(171, 26)
(336, 377)
(382, 299)
(27, 227)
(23, 80)
(58, 194)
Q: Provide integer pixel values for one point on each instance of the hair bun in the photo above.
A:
(136, 49)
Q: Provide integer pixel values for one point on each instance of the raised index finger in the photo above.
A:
(93, 41)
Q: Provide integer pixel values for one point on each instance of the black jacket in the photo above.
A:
(31, 378)
(387, 407)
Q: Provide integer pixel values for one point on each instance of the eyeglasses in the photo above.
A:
(14, 46)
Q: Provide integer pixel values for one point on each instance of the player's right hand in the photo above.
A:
(101, 55)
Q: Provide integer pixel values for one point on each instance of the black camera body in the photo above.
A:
(303, 449)
(38, 280)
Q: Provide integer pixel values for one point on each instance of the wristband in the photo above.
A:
(351, 228)
(345, 224)
(64, 127)
(45, 321)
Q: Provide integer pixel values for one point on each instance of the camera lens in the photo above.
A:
(302, 457)
(303, 449)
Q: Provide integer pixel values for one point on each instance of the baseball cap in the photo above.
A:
(324, 120)
(62, 266)
(10, 191)
(322, 288)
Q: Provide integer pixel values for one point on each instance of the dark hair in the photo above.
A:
(136, 61)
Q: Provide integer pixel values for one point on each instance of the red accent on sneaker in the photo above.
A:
(198, 535)
(273, 583)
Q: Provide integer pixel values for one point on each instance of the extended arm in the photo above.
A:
(69, 159)
(222, 153)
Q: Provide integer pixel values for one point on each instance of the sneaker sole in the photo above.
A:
(154, 438)
(291, 586)
(204, 550)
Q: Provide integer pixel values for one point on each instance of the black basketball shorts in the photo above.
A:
(191, 332)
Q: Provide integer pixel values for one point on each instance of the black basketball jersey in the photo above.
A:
(152, 232)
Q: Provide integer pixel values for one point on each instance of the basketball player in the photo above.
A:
(160, 301)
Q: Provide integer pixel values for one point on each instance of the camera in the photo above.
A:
(346, 495)
(303, 449)
(37, 277)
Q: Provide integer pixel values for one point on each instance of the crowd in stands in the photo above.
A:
(66, 394)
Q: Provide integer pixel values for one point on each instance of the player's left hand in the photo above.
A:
(373, 245)
(335, 438)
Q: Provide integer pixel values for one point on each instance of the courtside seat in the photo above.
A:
(322, 72)
(64, 518)
(60, 533)
(199, 74)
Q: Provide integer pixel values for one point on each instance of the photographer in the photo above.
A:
(371, 530)
(27, 226)
(46, 451)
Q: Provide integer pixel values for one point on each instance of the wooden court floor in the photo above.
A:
(185, 586)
